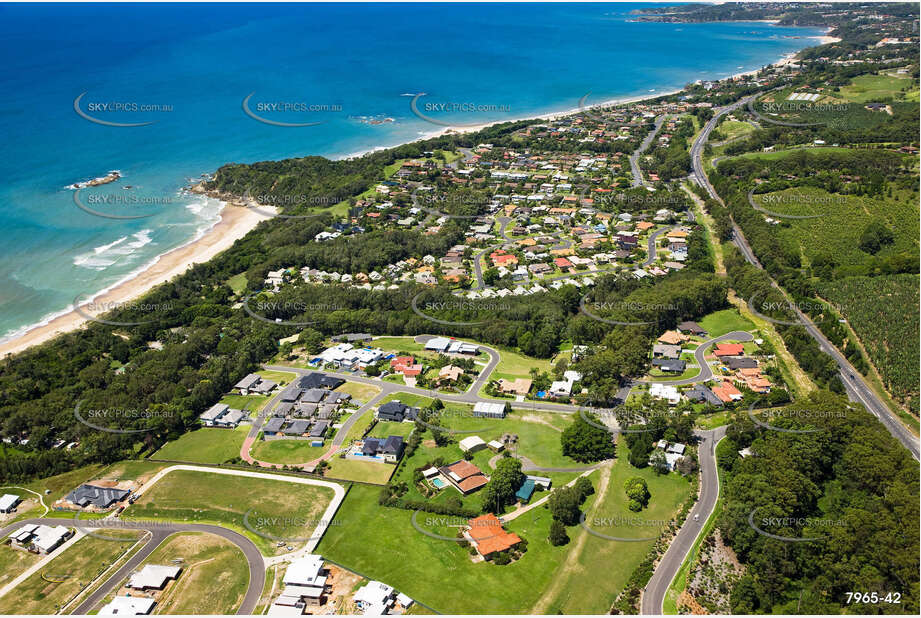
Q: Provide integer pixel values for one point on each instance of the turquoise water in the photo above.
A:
(356, 63)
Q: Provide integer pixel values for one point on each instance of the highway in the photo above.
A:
(856, 387)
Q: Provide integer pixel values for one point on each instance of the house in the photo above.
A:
(128, 606)
(100, 497)
(222, 415)
(255, 383)
(664, 391)
(729, 349)
(374, 598)
(472, 444)
(296, 428)
(661, 350)
(669, 365)
(699, 392)
(305, 584)
(692, 328)
(273, 426)
(39, 538)
(444, 345)
(726, 392)
(397, 411)
(753, 379)
(563, 388)
(741, 362)
(465, 476)
(518, 386)
(489, 410)
(672, 337)
(673, 453)
(8, 503)
(319, 429)
(153, 577)
(488, 537)
(495, 446)
(450, 373)
(388, 449)
(316, 379)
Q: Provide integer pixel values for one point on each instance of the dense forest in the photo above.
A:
(847, 484)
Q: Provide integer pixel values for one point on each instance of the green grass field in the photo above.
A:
(838, 233)
(286, 451)
(13, 562)
(72, 571)
(214, 575)
(725, 321)
(251, 403)
(204, 497)
(616, 559)
(361, 471)
(205, 445)
(870, 88)
(358, 391)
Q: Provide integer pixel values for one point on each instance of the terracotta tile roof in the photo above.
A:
(489, 536)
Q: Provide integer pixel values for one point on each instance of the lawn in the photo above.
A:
(871, 88)
(214, 575)
(837, 234)
(205, 445)
(286, 451)
(237, 283)
(733, 128)
(251, 403)
(361, 471)
(204, 497)
(279, 377)
(515, 365)
(435, 572)
(390, 428)
(13, 562)
(725, 321)
(75, 569)
(593, 555)
(359, 391)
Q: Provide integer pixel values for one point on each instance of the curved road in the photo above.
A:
(854, 384)
(680, 546)
(159, 532)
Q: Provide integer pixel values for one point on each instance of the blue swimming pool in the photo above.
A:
(439, 483)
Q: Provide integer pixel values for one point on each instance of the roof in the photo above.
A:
(727, 392)
(130, 606)
(524, 492)
(304, 571)
(153, 576)
(729, 349)
(316, 379)
(672, 337)
(669, 364)
(489, 536)
(742, 362)
(373, 592)
(471, 442)
(483, 407)
(214, 412)
(462, 469)
(101, 497)
(669, 351)
(8, 501)
(274, 424)
(248, 381)
(691, 327)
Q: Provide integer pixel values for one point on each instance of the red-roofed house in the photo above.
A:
(488, 537)
(729, 349)
(562, 263)
(727, 392)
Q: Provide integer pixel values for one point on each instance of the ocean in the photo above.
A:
(218, 83)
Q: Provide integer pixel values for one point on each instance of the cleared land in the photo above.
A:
(214, 575)
(64, 577)
(202, 497)
(205, 445)
(286, 451)
(719, 323)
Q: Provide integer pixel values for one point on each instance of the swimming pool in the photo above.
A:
(439, 483)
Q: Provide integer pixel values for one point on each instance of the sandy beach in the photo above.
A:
(235, 222)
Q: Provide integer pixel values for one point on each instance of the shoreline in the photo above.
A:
(234, 222)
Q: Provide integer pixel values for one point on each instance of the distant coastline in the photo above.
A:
(237, 219)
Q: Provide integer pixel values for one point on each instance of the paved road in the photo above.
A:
(856, 387)
(654, 593)
(651, 245)
(160, 532)
(638, 180)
